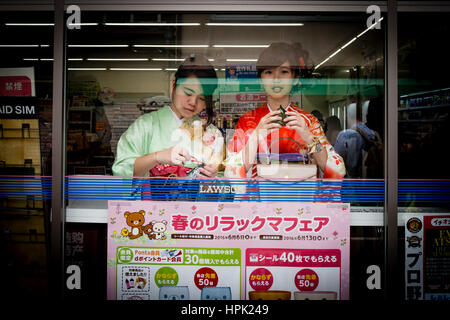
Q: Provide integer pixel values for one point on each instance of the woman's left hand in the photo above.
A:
(295, 121)
(209, 171)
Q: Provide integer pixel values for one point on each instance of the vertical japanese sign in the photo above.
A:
(237, 251)
(427, 257)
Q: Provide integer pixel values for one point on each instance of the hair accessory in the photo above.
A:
(302, 63)
(192, 56)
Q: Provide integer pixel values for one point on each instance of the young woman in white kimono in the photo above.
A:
(174, 139)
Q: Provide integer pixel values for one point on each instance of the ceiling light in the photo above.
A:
(117, 59)
(369, 28)
(19, 45)
(151, 24)
(135, 69)
(239, 24)
(167, 59)
(173, 59)
(37, 59)
(240, 45)
(83, 24)
(75, 59)
(98, 45)
(238, 60)
(335, 53)
(86, 69)
(170, 69)
(171, 45)
(29, 24)
(348, 43)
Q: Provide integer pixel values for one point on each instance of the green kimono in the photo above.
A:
(150, 133)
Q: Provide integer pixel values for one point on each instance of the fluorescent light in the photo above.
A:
(84, 24)
(167, 59)
(37, 59)
(321, 63)
(44, 45)
(117, 59)
(151, 24)
(19, 46)
(29, 24)
(240, 45)
(369, 28)
(75, 59)
(171, 46)
(237, 60)
(348, 43)
(170, 69)
(239, 24)
(335, 53)
(135, 69)
(86, 69)
(173, 59)
(98, 45)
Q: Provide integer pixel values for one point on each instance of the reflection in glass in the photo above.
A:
(26, 69)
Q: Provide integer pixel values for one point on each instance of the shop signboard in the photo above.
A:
(17, 82)
(427, 256)
(18, 108)
(241, 102)
(237, 251)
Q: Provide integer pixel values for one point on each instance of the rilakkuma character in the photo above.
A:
(159, 227)
(216, 293)
(135, 220)
(148, 230)
(174, 293)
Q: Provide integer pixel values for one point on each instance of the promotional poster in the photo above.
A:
(427, 257)
(227, 251)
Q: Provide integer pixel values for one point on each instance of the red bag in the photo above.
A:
(165, 170)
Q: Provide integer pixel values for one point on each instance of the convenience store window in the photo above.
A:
(120, 66)
(423, 120)
(26, 73)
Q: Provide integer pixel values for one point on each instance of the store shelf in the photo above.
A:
(424, 107)
(417, 94)
(421, 120)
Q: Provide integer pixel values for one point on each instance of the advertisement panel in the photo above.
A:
(232, 251)
(427, 256)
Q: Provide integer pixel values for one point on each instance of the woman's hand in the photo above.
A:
(295, 121)
(269, 122)
(209, 171)
(176, 155)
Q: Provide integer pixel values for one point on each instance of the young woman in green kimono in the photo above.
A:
(151, 139)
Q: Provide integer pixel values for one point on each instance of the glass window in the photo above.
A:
(26, 45)
(121, 70)
(422, 131)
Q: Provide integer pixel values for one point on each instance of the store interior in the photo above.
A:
(118, 67)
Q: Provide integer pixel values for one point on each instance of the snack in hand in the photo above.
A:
(282, 115)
